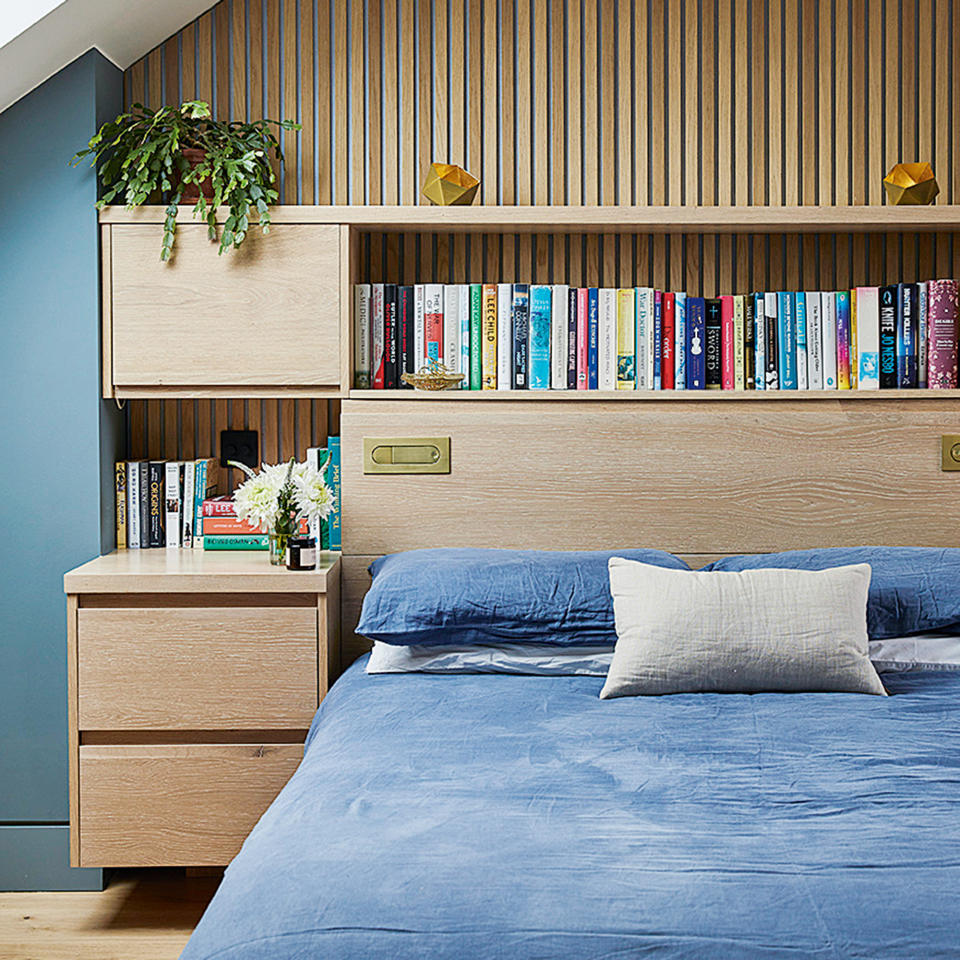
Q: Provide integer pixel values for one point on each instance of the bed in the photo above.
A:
(500, 816)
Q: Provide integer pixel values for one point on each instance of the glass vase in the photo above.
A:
(278, 548)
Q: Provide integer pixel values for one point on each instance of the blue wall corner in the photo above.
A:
(60, 437)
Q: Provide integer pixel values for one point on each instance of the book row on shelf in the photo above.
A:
(519, 336)
(178, 503)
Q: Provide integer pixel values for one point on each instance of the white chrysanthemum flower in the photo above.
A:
(256, 499)
(311, 494)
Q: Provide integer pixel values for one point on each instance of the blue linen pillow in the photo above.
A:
(460, 595)
(912, 589)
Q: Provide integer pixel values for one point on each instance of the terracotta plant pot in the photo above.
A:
(191, 191)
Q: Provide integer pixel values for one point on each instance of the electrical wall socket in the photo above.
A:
(243, 446)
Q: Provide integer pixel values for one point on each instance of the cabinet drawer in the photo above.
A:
(264, 315)
(198, 668)
(176, 805)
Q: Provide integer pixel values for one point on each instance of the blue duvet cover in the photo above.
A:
(513, 817)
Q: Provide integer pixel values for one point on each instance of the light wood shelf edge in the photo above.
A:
(597, 219)
(536, 396)
(195, 571)
(231, 392)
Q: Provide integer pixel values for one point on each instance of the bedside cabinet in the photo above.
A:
(193, 679)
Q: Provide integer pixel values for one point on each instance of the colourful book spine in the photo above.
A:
(657, 339)
(854, 349)
(728, 375)
(333, 482)
(668, 315)
(187, 511)
(843, 340)
(739, 368)
(377, 335)
(583, 339)
(814, 341)
(521, 326)
(419, 322)
(868, 338)
(236, 542)
(120, 494)
(133, 505)
(626, 342)
(828, 339)
(466, 318)
(923, 334)
(433, 320)
(787, 341)
(573, 296)
(607, 362)
(199, 495)
(643, 341)
(451, 325)
(476, 337)
(772, 345)
(942, 310)
(406, 359)
(559, 302)
(759, 342)
(504, 336)
(593, 338)
(696, 340)
(888, 337)
(800, 312)
(680, 342)
(361, 320)
(907, 336)
(540, 304)
(713, 357)
(390, 324)
(488, 331)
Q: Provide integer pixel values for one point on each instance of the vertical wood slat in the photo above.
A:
(579, 101)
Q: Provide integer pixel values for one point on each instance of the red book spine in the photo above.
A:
(583, 337)
(218, 508)
(942, 311)
(231, 526)
(668, 314)
(727, 371)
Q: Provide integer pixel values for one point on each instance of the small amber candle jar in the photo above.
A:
(302, 553)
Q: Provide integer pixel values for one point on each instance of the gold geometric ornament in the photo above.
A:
(911, 183)
(447, 184)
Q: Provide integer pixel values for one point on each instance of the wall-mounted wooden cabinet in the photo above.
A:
(261, 320)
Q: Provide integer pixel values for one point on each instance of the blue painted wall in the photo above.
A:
(57, 446)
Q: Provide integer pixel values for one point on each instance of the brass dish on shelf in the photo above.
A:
(432, 376)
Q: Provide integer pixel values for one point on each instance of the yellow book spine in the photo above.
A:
(488, 331)
(120, 486)
(626, 340)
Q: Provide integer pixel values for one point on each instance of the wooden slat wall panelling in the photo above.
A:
(573, 102)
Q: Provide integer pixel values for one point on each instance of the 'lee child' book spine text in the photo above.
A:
(488, 331)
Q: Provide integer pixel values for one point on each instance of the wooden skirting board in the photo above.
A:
(700, 480)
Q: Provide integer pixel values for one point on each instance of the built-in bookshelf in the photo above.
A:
(295, 287)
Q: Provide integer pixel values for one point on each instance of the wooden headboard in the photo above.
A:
(698, 476)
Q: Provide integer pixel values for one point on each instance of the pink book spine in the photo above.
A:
(727, 372)
(942, 325)
(583, 336)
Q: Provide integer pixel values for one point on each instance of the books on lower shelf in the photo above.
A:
(158, 501)
(553, 337)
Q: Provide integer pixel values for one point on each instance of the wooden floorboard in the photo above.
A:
(142, 915)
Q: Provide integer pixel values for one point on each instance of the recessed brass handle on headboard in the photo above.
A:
(950, 452)
(406, 455)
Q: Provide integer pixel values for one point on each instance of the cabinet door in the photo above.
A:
(266, 315)
(170, 805)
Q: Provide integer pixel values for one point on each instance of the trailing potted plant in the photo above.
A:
(184, 153)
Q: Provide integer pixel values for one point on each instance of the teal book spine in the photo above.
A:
(226, 541)
(333, 481)
(476, 339)
(540, 309)
(787, 341)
